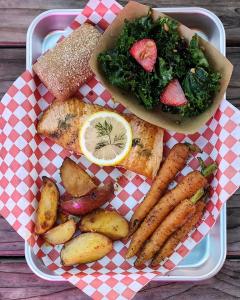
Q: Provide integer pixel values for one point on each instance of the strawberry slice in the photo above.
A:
(173, 94)
(145, 53)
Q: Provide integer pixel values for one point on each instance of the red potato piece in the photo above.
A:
(75, 180)
(87, 203)
(145, 53)
(46, 214)
(61, 233)
(173, 94)
(85, 248)
(106, 222)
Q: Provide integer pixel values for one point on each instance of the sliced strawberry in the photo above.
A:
(145, 53)
(173, 94)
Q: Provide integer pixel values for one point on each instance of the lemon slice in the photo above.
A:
(105, 138)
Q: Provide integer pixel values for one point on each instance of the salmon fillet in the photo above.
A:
(62, 120)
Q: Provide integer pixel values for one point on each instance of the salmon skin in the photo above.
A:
(62, 121)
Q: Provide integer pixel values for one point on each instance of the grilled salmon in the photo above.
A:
(62, 120)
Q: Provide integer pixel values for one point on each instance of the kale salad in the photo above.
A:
(153, 62)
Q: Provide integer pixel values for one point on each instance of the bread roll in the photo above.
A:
(65, 68)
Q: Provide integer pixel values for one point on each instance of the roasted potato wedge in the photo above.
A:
(61, 233)
(75, 180)
(85, 248)
(87, 203)
(109, 223)
(47, 208)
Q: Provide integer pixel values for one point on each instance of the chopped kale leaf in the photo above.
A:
(176, 59)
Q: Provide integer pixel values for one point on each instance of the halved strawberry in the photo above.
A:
(145, 53)
(173, 94)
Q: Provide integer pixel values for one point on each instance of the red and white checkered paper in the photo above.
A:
(25, 157)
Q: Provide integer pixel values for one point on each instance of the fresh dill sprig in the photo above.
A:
(119, 137)
(101, 144)
(104, 128)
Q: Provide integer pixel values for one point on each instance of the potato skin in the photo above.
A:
(46, 214)
(85, 248)
(61, 233)
(85, 204)
(109, 223)
(75, 180)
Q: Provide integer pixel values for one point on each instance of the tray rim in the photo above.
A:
(222, 216)
(166, 278)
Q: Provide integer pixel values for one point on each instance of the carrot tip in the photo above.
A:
(139, 265)
(154, 265)
(128, 255)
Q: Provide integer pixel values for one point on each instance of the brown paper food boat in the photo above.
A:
(219, 63)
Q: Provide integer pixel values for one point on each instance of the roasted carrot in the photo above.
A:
(184, 190)
(174, 163)
(178, 236)
(177, 218)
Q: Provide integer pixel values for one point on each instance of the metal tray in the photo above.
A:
(208, 257)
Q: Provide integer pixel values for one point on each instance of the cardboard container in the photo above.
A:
(219, 63)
